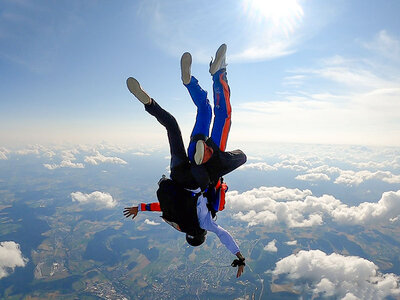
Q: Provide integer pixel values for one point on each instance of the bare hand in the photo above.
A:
(240, 271)
(129, 211)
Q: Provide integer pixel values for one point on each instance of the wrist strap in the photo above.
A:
(238, 262)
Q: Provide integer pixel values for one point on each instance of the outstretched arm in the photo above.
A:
(133, 210)
(228, 241)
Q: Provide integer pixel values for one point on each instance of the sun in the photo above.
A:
(283, 14)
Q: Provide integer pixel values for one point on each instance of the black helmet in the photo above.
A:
(196, 240)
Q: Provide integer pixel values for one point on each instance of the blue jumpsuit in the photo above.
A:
(222, 111)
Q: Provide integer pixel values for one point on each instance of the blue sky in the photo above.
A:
(300, 71)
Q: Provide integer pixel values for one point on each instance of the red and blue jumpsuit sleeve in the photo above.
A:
(149, 206)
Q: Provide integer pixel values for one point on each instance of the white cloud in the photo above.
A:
(395, 164)
(250, 157)
(149, 222)
(289, 162)
(349, 177)
(296, 208)
(67, 156)
(271, 205)
(324, 169)
(385, 45)
(99, 199)
(291, 243)
(262, 51)
(49, 153)
(93, 156)
(348, 120)
(100, 158)
(112, 147)
(262, 166)
(335, 275)
(28, 151)
(295, 80)
(64, 164)
(296, 164)
(271, 246)
(354, 102)
(359, 77)
(388, 207)
(39, 150)
(10, 258)
(313, 177)
(141, 153)
(51, 166)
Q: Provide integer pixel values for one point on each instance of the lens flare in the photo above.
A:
(285, 15)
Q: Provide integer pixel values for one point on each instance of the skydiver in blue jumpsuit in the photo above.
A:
(183, 198)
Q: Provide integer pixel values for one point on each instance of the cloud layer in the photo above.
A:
(344, 277)
(99, 199)
(100, 158)
(68, 158)
(314, 172)
(262, 166)
(297, 208)
(64, 164)
(337, 99)
(313, 177)
(10, 258)
(355, 178)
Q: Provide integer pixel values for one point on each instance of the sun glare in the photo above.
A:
(284, 14)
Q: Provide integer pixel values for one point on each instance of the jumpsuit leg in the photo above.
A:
(177, 149)
(203, 116)
(222, 109)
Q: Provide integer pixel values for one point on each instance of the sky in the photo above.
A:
(325, 72)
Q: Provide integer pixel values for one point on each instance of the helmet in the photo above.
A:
(196, 240)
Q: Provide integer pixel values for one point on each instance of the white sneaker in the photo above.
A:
(186, 64)
(199, 154)
(135, 88)
(219, 60)
(203, 152)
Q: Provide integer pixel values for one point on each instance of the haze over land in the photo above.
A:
(63, 230)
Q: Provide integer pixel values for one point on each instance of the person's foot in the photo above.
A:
(135, 88)
(186, 64)
(219, 60)
(203, 152)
